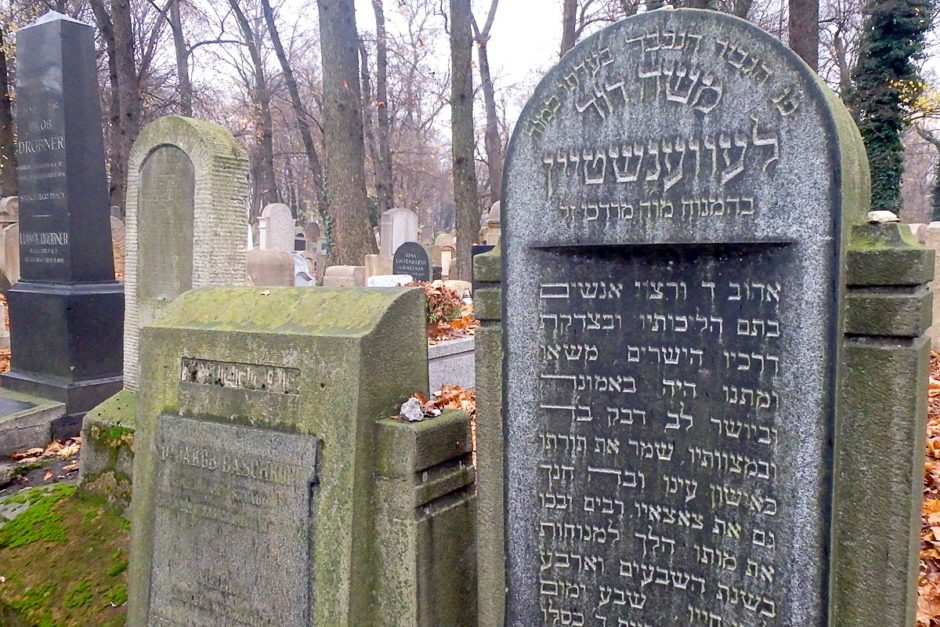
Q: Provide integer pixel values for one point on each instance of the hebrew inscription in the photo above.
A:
(659, 413)
(245, 497)
(670, 320)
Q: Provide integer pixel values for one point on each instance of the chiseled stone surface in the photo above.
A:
(676, 208)
(278, 228)
(195, 171)
(240, 388)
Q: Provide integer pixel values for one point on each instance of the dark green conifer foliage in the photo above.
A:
(892, 43)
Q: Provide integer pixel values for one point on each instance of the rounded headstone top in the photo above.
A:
(494, 216)
(312, 231)
(682, 126)
(276, 209)
(445, 239)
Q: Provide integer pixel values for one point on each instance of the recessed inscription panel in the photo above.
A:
(660, 416)
(671, 256)
(232, 535)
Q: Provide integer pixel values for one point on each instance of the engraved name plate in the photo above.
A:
(232, 535)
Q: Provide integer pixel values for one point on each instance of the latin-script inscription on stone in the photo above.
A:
(232, 534)
(659, 411)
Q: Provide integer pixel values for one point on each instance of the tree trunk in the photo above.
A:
(804, 30)
(461, 102)
(300, 113)
(569, 26)
(7, 138)
(103, 21)
(347, 204)
(384, 179)
(182, 59)
(368, 120)
(265, 186)
(129, 103)
(492, 139)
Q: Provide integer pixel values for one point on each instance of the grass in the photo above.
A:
(64, 561)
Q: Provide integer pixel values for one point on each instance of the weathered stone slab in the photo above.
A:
(675, 227)
(185, 228)
(222, 485)
(262, 493)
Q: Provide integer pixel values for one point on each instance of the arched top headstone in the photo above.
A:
(495, 214)
(312, 231)
(278, 227)
(678, 193)
(186, 213)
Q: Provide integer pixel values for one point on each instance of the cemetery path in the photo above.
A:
(928, 601)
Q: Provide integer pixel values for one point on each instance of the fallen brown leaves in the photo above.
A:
(449, 397)
(63, 450)
(928, 584)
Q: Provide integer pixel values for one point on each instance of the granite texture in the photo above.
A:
(201, 176)
(675, 210)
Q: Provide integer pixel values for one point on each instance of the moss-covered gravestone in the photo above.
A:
(186, 216)
(714, 368)
(271, 488)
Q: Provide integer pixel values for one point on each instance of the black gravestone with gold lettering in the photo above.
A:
(66, 312)
(676, 199)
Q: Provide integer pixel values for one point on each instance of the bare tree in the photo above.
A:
(466, 194)
(7, 142)
(491, 138)
(382, 159)
(181, 50)
(578, 16)
(342, 133)
(804, 30)
(300, 113)
(265, 187)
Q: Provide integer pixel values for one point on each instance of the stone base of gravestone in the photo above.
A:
(451, 363)
(271, 268)
(66, 343)
(107, 461)
(376, 265)
(433, 549)
(344, 276)
(27, 421)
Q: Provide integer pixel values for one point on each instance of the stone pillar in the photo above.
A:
(879, 466)
(491, 564)
(425, 513)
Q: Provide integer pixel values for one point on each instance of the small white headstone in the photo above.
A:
(277, 228)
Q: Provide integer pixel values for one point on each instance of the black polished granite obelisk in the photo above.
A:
(67, 310)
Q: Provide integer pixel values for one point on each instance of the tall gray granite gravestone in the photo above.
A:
(66, 312)
(679, 196)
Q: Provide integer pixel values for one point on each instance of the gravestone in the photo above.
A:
(270, 487)
(344, 276)
(397, 227)
(277, 228)
(66, 311)
(680, 195)
(193, 175)
(412, 258)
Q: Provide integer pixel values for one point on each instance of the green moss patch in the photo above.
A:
(64, 560)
